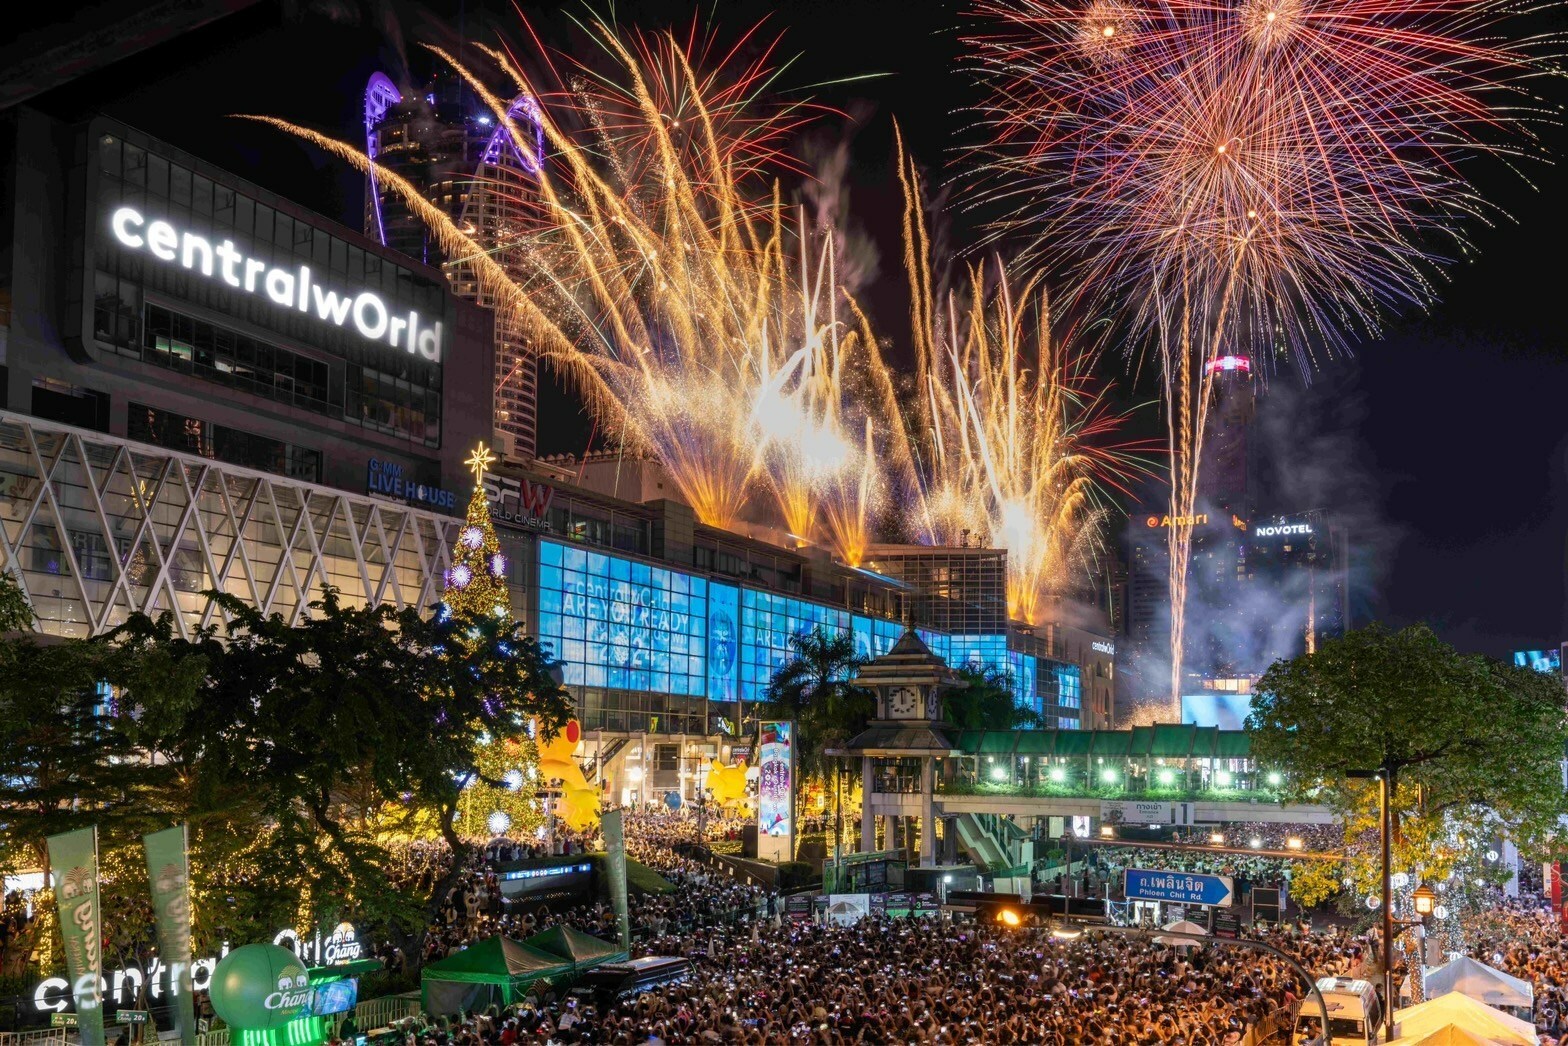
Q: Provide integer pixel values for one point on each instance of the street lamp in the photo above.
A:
(1385, 801)
(1425, 899)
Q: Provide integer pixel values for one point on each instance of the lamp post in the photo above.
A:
(1385, 796)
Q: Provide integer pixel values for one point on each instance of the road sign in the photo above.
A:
(1143, 884)
(131, 1016)
(62, 1020)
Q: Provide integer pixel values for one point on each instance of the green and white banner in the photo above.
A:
(73, 863)
(168, 873)
(615, 864)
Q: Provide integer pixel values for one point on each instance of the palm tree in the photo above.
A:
(813, 688)
(987, 703)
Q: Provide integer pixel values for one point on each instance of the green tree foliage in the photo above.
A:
(987, 703)
(303, 738)
(1473, 748)
(813, 688)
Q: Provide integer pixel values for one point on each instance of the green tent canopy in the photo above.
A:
(495, 970)
(582, 950)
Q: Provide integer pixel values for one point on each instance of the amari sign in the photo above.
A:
(364, 312)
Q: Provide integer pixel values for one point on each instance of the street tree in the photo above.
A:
(813, 688)
(302, 735)
(987, 702)
(1472, 749)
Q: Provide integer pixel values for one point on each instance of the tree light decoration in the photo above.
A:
(498, 822)
(513, 779)
(474, 584)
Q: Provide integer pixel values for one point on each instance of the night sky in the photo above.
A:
(1445, 444)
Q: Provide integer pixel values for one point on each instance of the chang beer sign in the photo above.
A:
(73, 859)
(340, 946)
(260, 987)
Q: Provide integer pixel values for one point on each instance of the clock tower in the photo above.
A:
(903, 747)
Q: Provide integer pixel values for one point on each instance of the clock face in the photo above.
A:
(903, 701)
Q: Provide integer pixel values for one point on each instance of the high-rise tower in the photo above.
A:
(1224, 470)
(450, 146)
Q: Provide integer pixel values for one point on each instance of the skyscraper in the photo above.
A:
(1264, 581)
(450, 146)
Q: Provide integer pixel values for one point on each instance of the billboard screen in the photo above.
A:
(335, 997)
(1540, 660)
(776, 792)
(620, 623)
(1226, 711)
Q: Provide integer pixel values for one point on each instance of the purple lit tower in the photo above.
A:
(447, 143)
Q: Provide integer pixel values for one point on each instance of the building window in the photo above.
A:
(165, 428)
(70, 404)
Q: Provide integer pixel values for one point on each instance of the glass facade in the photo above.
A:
(627, 631)
(622, 624)
(96, 527)
(294, 357)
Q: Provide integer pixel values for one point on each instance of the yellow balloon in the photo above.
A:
(727, 783)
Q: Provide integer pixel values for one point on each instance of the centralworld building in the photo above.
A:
(210, 387)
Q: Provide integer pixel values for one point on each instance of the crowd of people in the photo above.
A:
(759, 977)
(1523, 937)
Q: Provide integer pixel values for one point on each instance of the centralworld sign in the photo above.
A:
(365, 312)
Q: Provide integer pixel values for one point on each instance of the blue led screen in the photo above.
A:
(623, 624)
(619, 623)
(767, 620)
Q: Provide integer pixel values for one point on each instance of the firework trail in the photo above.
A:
(1265, 178)
(667, 280)
(1009, 440)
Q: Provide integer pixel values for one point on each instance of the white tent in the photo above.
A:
(1182, 926)
(1479, 981)
(1477, 1018)
(1447, 1035)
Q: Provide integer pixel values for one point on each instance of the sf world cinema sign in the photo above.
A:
(364, 312)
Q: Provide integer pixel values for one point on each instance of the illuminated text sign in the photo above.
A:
(366, 313)
(1201, 519)
(1282, 530)
(519, 502)
(1103, 647)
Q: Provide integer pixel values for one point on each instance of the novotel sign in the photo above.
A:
(1274, 530)
(365, 313)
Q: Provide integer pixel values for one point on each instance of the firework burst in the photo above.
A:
(1011, 441)
(665, 278)
(1266, 178)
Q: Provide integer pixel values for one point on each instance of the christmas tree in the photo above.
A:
(502, 799)
(476, 584)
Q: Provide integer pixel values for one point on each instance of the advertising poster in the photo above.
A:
(615, 865)
(168, 874)
(776, 792)
(723, 642)
(73, 857)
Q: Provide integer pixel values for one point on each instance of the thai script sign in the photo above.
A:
(1182, 887)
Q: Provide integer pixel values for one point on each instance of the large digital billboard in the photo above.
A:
(776, 792)
(1216, 708)
(767, 621)
(1540, 660)
(619, 623)
(723, 642)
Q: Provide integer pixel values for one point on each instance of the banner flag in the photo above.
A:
(73, 864)
(168, 874)
(615, 862)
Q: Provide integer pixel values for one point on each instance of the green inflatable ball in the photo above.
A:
(260, 986)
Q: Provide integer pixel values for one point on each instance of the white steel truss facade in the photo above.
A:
(95, 527)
